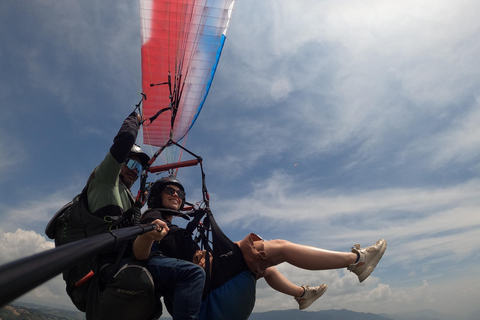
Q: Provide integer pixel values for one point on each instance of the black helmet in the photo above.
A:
(136, 151)
(155, 196)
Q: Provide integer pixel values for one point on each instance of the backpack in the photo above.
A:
(129, 288)
(130, 294)
(71, 223)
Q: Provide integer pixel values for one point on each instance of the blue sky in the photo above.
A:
(329, 123)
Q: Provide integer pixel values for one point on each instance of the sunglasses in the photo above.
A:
(134, 165)
(170, 191)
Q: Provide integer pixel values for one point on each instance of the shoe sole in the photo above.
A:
(371, 266)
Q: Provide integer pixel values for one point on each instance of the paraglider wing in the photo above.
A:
(181, 45)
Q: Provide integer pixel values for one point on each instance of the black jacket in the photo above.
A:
(178, 243)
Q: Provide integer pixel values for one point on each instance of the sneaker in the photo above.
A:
(368, 260)
(311, 294)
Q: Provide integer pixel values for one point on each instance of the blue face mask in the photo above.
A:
(134, 165)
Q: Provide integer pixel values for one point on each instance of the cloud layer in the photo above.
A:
(328, 123)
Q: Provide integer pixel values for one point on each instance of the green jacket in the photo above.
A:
(107, 196)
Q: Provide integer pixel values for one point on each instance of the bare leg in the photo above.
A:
(304, 295)
(277, 281)
(307, 257)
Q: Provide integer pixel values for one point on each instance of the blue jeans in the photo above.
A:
(179, 281)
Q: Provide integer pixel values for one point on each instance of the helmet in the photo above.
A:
(154, 194)
(136, 151)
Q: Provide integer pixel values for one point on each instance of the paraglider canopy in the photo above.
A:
(181, 45)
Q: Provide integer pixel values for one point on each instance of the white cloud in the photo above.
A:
(428, 230)
(51, 293)
(24, 243)
(426, 223)
(21, 243)
(37, 211)
(391, 73)
(344, 292)
(291, 195)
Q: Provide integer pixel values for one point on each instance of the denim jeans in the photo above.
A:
(179, 281)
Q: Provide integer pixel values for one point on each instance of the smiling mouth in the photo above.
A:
(174, 201)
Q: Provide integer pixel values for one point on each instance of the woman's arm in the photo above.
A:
(143, 244)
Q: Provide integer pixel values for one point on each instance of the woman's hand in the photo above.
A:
(143, 244)
(199, 258)
(160, 232)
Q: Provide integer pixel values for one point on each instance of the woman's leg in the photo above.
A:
(307, 257)
(277, 281)
(360, 261)
(304, 295)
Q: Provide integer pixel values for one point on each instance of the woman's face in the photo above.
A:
(173, 202)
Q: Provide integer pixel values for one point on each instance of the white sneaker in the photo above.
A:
(311, 294)
(368, 260)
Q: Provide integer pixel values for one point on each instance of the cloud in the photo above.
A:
(377, 78)
(428, 230)
(23, 243)
(301, 196)
(38, 209)
(51, 293)
(345, 292)
(373, 295)
(10, 157)
(457, 145)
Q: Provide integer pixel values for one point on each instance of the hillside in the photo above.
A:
(27, 311)
(35, 312)
(323, 315)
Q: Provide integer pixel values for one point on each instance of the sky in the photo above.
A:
(329, 123)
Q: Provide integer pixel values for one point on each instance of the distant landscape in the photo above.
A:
(27, 311)
(24, 311)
